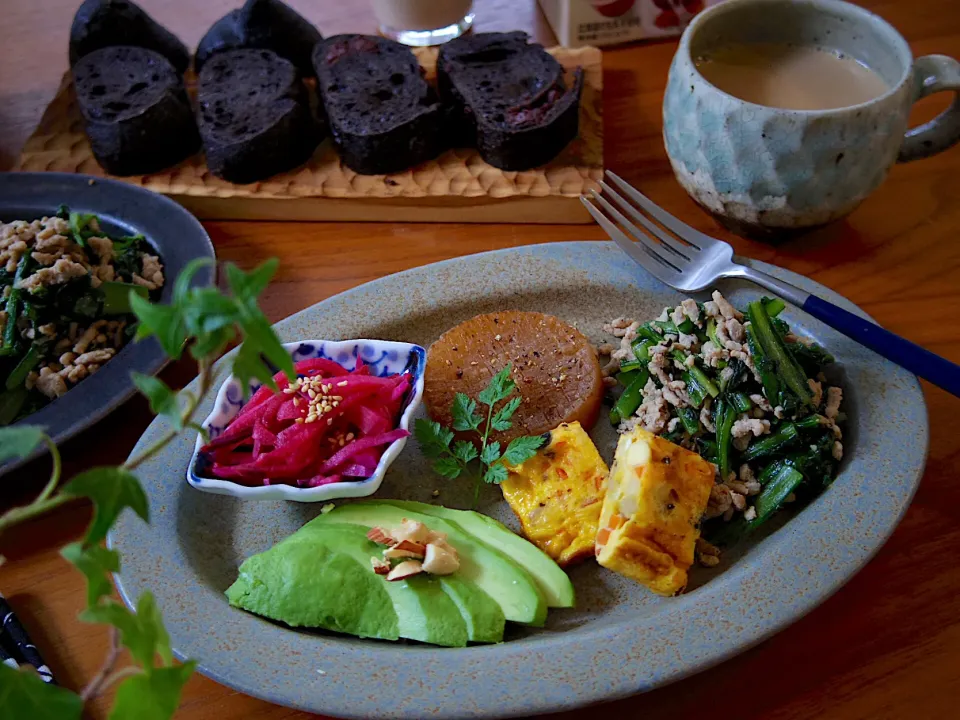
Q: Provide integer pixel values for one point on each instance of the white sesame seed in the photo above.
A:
(342, 384)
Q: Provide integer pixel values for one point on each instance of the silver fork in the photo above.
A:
(687, 260)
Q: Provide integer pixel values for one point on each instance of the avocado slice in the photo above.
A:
(481, 613)
(321, 577)
(482, 616)
(551, 579)
(291, 582)
(488, 569)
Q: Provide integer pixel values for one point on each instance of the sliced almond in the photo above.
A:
(380, 567)
(411, 530)
(407, 568)
(379, 536)
(440, 560)
(410, 546)
(395, 553)
(437, 538)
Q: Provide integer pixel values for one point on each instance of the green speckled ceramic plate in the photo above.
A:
(621, 639)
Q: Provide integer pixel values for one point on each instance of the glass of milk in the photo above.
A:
(423, 22)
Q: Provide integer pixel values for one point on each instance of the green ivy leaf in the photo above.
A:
(207, 310)
(501, 419)
(464, 411)
(212, 344)
(258, 333)
(19, 441)
(201, 431)
(248, 364)
(500, 387)
(164, 322)
(24, 695)
(448, 467)
(163, 400)
(247, 287)
(181, 286)
(111, 489)
(96, 563)
(434, 439)
(490, 453)
(153, 695)
(464, 451)
(495, 474)
(142, 633)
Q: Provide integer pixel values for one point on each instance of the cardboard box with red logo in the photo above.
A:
(610, 22)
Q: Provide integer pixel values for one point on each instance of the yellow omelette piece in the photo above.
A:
(656, 495)
(557, 494)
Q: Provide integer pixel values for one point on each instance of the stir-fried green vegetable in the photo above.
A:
(41, 314)
(772, 346)
(754, 408)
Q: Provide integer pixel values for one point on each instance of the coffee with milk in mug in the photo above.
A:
(786, 114)
(791, 76)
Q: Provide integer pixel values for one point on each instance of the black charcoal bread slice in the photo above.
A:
(509, 98)
(135, 110)
(254, 115)
(265, 25)
(107, 23)
(382, 114)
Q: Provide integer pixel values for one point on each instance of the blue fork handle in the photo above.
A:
(940, 371)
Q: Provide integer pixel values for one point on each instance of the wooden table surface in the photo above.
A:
(886, 646)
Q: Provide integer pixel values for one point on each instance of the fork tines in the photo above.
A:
(663, 253)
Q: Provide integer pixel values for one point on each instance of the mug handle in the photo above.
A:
(933, 74)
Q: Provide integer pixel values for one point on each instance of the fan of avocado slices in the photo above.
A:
(322, 577)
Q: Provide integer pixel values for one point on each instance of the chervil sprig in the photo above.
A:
(451, 459)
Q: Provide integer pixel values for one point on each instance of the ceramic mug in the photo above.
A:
(766, 170)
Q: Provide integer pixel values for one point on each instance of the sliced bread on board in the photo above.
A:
(383, 115)
(254, 115)
(105, 23)
(509, 98)
(264, 25)
(135, 110)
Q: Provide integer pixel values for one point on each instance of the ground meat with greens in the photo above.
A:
(743, 391)
(64, 309)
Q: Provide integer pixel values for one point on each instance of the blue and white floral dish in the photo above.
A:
(384, 358)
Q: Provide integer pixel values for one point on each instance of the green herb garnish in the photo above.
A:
(451, 459)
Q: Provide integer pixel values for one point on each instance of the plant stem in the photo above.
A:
(43, 502)
(206, 379)
(54, 474)
(17, 515)
(120, 675)
(483, 446)
(94, 686)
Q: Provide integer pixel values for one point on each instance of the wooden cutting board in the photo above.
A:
(456, 187)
